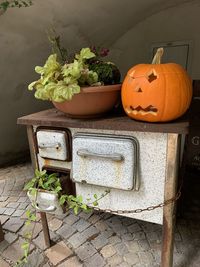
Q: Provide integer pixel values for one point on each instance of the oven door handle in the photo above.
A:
(49, 145)
(86, 153)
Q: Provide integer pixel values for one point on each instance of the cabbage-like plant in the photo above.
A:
(60, 82)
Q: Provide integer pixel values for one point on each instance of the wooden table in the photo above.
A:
(176, 131)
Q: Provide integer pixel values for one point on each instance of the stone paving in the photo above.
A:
(88, 240)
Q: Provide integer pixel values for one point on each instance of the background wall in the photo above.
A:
(127, 27)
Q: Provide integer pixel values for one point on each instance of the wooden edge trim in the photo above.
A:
(171, 181)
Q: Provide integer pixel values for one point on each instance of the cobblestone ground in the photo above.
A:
(88, 240)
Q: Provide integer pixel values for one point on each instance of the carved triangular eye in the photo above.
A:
(131, 74)
(152, 75)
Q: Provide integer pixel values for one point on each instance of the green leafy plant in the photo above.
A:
(60, 82)
(63, 75)
(15, 3)
(51, 182)
(42, 180)
(31, 218)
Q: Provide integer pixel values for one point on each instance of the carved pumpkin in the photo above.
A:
(156, 92)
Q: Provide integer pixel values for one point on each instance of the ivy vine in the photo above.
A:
(15, 3)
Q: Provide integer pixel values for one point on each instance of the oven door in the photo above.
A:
(105, 160)
(54, 144)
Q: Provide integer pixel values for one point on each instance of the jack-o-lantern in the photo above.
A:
(156, 92)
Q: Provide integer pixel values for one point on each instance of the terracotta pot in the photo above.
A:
(91, 101)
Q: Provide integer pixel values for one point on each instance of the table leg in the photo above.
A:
(45, 229)
(33, 152)
(1, 233)
(169, 211)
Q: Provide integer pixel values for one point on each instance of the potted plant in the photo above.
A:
(44, 191)
(46, 194)
(81, 86)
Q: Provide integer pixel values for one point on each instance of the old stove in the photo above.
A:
(138, 162)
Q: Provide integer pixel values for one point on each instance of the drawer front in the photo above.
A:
(53, 144)
(105, 161)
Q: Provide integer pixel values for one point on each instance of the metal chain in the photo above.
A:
(150, 208)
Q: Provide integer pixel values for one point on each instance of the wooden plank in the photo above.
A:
(55, 118)
(32, 146)
(169, 210)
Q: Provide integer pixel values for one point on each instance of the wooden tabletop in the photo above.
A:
(55, 118)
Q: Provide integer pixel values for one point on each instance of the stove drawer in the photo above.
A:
(54, 144)
(105, 160)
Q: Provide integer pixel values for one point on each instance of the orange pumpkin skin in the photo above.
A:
(156, 92)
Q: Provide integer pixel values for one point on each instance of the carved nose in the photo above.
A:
(138, 89)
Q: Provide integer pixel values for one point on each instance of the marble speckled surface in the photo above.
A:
(104, 171)
(52, 138)
(152, 162)
(152, 158)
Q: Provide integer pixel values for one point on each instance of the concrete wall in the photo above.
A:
(179, 23)
(127, 27)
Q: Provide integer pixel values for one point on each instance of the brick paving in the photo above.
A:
(87, 240)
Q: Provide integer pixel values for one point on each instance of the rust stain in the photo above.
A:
(118, 173)
(47, 162)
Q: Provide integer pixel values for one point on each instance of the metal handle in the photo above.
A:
(49, 209)
(49, 145)
(86, 153)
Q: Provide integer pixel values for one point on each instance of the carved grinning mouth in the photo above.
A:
(143, 111)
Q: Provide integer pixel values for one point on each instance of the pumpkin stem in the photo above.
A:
(158, 55)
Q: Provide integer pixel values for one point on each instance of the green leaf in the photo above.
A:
(62, 199)
(40, 173)
(30, 184)
(33, 217)
(27, 223)
(95, 203)
(76, 209)
(84, 207)
(33, 192)
(73, 70)
(32, 85)
(58, 189)
(25, 245)
(95, 196)
(62, 91)
(80, 199)
(85, 53)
